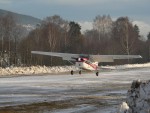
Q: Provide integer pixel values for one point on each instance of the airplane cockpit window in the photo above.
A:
(88, 62)
(79, 59)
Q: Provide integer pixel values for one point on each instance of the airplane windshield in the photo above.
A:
(88, 62)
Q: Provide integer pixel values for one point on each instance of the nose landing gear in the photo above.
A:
(71, 72)
(97, 73)
(80, 72)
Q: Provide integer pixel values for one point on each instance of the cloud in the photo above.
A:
(77, 2)
(88, 2)
(69, 2)
(85, 26)
(144, 28)
(5, 1)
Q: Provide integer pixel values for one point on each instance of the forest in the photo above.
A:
(55, 34)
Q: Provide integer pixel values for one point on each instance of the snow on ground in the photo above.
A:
(127, 66)
(35, 70)
(66, 93)
(138, 97)
(123, 108)
(58, 69)
(109, 89)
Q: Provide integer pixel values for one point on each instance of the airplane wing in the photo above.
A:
(96, 58)
(64, 56)
(111, 58)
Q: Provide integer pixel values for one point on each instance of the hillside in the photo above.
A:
(20, 18)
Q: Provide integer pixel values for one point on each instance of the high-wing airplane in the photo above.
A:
(86, 62)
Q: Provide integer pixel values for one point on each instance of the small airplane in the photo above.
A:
(85, 61)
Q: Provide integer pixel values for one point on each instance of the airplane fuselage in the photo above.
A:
(84, 63)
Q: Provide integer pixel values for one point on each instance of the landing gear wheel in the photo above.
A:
(80, 72)
(71, 72)
(97, 73)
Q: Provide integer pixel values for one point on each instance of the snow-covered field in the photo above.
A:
(35, 70)
(58, 69)
(128, 66)
(65, 93)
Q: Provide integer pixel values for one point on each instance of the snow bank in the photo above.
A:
(123, 108)
(127, 66)
(57, 69)
(35, 70)
(138, 98)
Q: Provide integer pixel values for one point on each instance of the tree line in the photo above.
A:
(55, 34)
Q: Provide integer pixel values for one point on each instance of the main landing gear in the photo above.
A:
(97, 73)
(73, 72)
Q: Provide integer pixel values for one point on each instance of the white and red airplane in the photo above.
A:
(86, 62)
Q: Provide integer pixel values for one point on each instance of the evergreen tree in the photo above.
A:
(148, 36)
(74, 35)
(136, 28)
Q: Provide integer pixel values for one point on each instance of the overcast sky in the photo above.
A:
(81, 10)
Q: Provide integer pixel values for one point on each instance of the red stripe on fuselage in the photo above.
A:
(92, 65)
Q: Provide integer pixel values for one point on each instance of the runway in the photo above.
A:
(66, 93)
